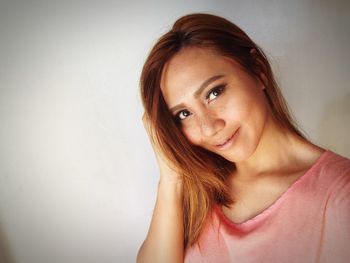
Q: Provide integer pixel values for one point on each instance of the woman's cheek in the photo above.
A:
(239, 109)
(228, 105)
(191, 133)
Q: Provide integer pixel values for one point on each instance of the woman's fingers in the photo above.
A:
(146, 122)
(167, 170)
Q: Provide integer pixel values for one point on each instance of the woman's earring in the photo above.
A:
(263, 80)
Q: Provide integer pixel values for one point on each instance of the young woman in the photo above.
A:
(238, 181)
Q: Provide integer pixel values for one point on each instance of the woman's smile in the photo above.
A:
(228, 143)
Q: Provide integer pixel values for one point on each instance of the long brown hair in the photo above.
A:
(204, 173)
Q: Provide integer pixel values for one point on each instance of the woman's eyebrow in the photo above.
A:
(205, 84)
(198, 92)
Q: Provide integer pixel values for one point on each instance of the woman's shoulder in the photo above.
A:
(334, 165)
(334, 174)
(328, 169)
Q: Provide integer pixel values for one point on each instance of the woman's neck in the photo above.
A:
(279, 152)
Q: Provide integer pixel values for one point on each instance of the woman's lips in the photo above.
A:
(228, 142)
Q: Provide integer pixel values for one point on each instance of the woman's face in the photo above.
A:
(219, 106)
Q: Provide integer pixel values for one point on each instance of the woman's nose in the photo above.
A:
(210, 125)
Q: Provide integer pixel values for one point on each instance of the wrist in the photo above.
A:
(171, 186)
(169, 175)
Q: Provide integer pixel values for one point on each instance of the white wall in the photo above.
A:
(77, 175)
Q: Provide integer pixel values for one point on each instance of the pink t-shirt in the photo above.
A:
(310, 222)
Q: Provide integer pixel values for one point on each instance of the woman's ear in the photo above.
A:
(263, 79)
(260, 66)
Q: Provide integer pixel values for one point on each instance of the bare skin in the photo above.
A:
(279, 160)
(255, 190)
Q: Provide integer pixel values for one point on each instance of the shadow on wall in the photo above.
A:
(335, 126)
(5, 252)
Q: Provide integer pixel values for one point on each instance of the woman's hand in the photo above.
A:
(168, 172)
(165, 238)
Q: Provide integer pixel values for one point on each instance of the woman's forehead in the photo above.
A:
(189, 68)
(193, 65)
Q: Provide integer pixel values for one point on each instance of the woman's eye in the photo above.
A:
(183, 114)
(215, 92)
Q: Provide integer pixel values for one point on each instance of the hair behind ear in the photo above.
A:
(259, 67)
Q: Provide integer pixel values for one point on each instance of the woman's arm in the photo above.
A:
(165, 238)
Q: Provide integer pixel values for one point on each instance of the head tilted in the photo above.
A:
(204, 172)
